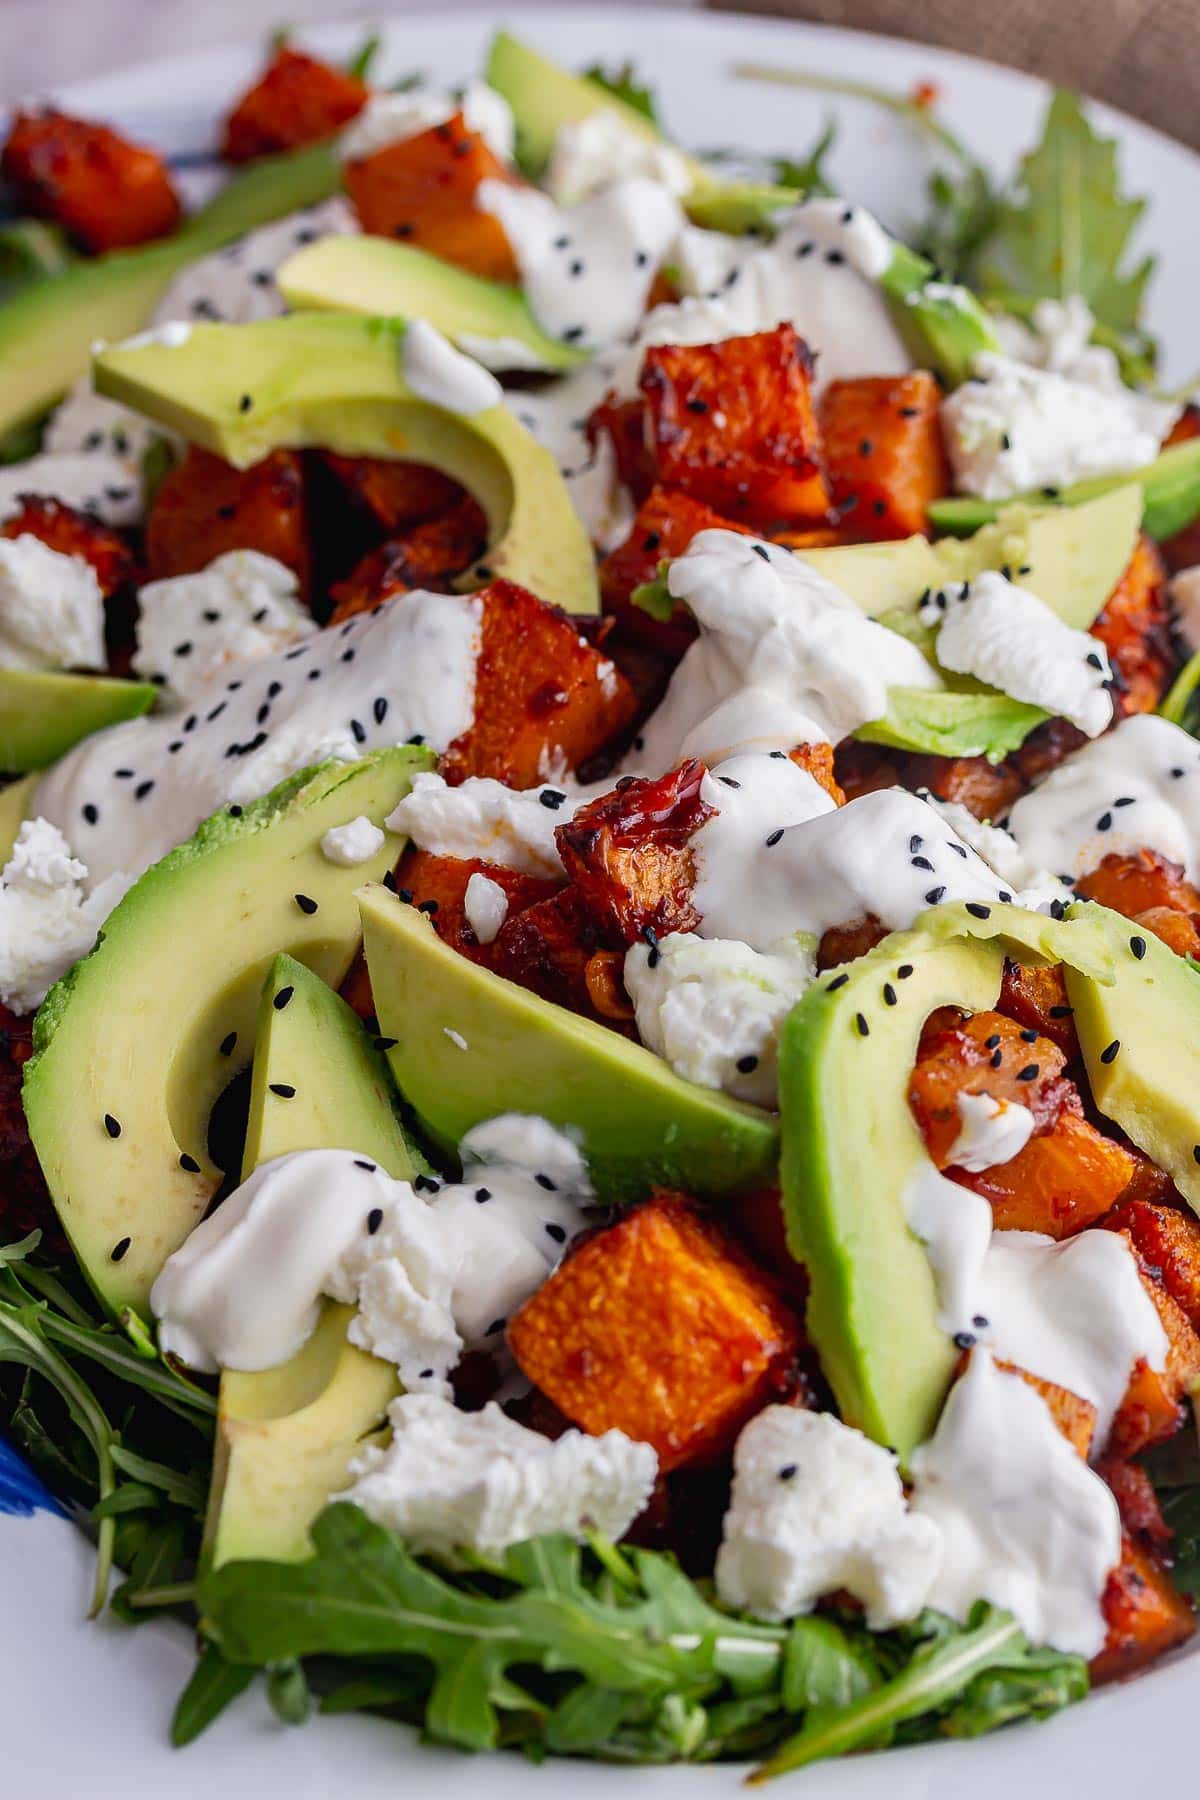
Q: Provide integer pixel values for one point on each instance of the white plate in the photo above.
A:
(85, 1708)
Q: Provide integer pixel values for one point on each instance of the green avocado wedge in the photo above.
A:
(43, 715)
(49, 328)
(1140, 1038)
(1169, 486)
(336, 382)
(285, 1436)
(470, 1045)
(380, 279)
(14, 805)
(134, 1046)
(851, 1150)
(952, 724)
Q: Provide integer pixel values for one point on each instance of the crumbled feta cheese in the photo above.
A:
(48, 921)
(241, 607)
(392, 118)
(600, 148)
(1185, 598)
(1022, 1520)
(816, 1506)
(451, 1480)
(351, 844)
(483, 818)
(439, 373)
(94, 481)
(51, 608)
(1136, 787)
(1014, 427)
(485, 906)
(990, 1132)
(1008, 638)
(714, 1009)
(237, 284)
(88, 424)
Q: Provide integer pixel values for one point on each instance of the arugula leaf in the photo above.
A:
(807, 172)
(1066, 229)
(622, 83)
(214, 1685)
(1181, 1510)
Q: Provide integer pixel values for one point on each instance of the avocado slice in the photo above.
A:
(1149, 1084)
(337, 383)
(285, 1436)
(851, 1148)
(1169, 487)
(1074, 558)
(470, 1045)
(386, 280)
(44, 714)
(133, 1047)
(946, 723)
(14, 808)
(48, 329)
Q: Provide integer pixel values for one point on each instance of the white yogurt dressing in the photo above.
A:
(191, 628)
(237, 284)
(437, 372)
(392, 118)
(1138, 786)
(126, 796)
(1006, 636)
(483, 818)
(599, 149)
(991, 1131)
(1024, 1522)
(99, 482)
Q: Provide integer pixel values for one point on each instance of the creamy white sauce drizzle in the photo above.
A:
(991, 1131)
(599, 149)
(393, 118)
(237, 284)
(483, 818)
(191, 628)
(437, 372)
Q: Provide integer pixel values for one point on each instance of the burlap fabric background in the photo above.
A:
(1143, 55)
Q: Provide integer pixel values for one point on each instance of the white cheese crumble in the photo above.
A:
(990, 1132)
(351, 844)
(51, 608)
(393, 118)
(48, 920)
(1008, 638)
(816, 1506)
(437, 372)
(768, 620)
(1136, 787)
(600, 148)
(451, 1480)
(714, 1008)
(241, 608)
(94, 481)
(237, 284)
(1014, 427)
(485, 907)
(88, 424)
(482, 818)
(1023, 1521)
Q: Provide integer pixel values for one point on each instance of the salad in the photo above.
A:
(599, 919)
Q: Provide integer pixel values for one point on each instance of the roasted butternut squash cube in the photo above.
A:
(1145, 1612)
(428, 556)
(1074, 1416)
(1061, 1182)
(1167, 1240)
(395, 495)
(438, 886)
(628, 855)
(296, 100)
(1037, 999)
(74, 533)
(885, 461)
(423, 190)
(545, 698)
(733, 425)
(205, 507)
(844, 943)
(665, 525)
(1152, 1410)
(624, 426)
(1133, 1491)
(1135, 629)
(1138, 883)
(548, 948)
(105, 192)
(660, 1327)
(986, 789)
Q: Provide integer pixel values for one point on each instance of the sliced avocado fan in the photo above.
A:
(44, 714)
(851, 1149)
(381, 279)
(1169, 488)
(337, 383)
(135, 1045)
(470, 1045)
(285, 1436)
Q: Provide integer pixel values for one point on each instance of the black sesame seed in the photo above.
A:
(216, 712)
(284, 1089)
(389, 881)
(552, 798)
(728, 781)
(263, 713)
(245, 403)
(861, 1026)
(978, 910)
(1196, 1153)
(696, 406)
(374, 1220)
(1006, 444)
(774, 838)
(496, 1326)
(91, 813)
(1030, 1036)
(959, 850)
(142, 789)
(118, 1250)
(427, 1184)
(227, 1044)
(904, 971)
(1029, 1073)
(837, 982)
(188, 1163)
(1138, 946)
(789, 1471)
(305, 903)
(935, 896)
(980, 1322)
(1092, 660)
(997, 1058)
(746, 1065)
(360, 1162)
(545, 1181)
(890, 996)
(991, 1042)
(922, 862)
(124, 774)
(915, 842)
(359, 731)
(835, 258)
(557, 1232)
(184, 649)
(386, 1043)
(964, 1340)
(282, 997)
(428, 906)
(1104, 822)
(112, 1126)
(314, 674)
(379, 710)
(1061, 1012)
(1109, 1052)
(235, 812)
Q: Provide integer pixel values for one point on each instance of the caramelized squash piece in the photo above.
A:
(665, 525)
(1139, 883)
(624, 424)
(296, 100)
(1166, 1240)
(628, 855)
(106, 193)
(1074, 1416)
(1037, 999)
(660, 1327)
(1145, 1613)
(843, 943)
(204, 507)
(1135, 629)
(438, 886)
(429, 556)
(549, 948)
(395, 495)
(884, 457)
(423, 191)
(985, 789)
(1152, 1410)
(1133, 1491)
(733, 425)
(1059, 1183)
(545, 698)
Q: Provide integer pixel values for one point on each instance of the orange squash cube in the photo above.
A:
(628, 855)
(1136, 883)
(205, 507)
(733, 425)
(1135, 629)
(429, 556)
(423, 191)
(660, 1327)
(1168, 1240)
(297, 100)
(1145, 1612)
(884, 457)
(1037, 999)
(1074, 1416)
(106, 193)
(438, 885)
(665, 525)
(1061, 1182)
(395, 495)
